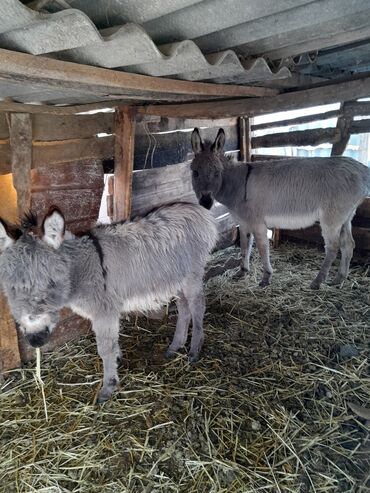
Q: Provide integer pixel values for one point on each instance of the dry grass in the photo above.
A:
(265, 410)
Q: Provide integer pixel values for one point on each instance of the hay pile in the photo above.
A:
(266, 408)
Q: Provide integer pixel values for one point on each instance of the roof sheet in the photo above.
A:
(258, 42)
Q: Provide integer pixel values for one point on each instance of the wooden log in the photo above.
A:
(358, 108)
(297, 121)
(343, 123)
(124, 161)
(270, 157)
(245, 139)
(312, 137)
(44, 72)
(20, 132)
(360, 126)
(324, 94)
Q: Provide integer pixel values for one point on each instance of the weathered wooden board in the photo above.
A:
(76, 175)
(65, 127)
(72, 150)
(20, 131)
(124, 162)
(75, 187)
(9, 351)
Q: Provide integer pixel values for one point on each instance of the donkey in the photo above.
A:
(288, 193)
(119, 268)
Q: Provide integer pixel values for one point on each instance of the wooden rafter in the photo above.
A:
(330, 93)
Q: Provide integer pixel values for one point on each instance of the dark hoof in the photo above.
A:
(315, 285)
(264, 283)
(337, 281)
(239, 274)
(170, 354)
(103, 397)
(193, 357)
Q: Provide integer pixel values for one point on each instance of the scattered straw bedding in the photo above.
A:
(266, 408)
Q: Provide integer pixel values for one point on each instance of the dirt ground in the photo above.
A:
(277, 402)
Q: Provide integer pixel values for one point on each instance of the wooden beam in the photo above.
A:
(245, 139)
(297, 121)
(311, 137)
(34, 70)
(20, 133)
(123, 163)
(343, 127)
(325, 94)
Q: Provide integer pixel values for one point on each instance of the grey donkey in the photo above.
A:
(114, 269)
(286, 193)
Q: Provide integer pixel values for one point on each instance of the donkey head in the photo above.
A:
(35, 275)
(207, 167)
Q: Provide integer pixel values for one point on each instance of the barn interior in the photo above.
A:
(97, 104)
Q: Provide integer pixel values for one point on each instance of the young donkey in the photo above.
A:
(289, 194)
(114, 269)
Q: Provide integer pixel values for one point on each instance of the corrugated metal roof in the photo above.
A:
(222, 41)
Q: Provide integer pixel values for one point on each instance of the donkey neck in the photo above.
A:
(232, 191)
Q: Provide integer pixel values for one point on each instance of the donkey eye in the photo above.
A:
(217, 174)
(195, 173)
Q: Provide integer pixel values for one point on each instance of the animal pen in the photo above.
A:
(104, 97)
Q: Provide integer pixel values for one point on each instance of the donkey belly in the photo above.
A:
(297, 221)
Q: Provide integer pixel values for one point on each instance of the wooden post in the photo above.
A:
(123, 162)
(245, 139)
(343, 126)
(20, 132)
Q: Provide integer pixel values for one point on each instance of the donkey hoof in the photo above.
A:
(337, 280)
(193, 357)
(240, 273)
(264, 283)
(170, 353)
(315, 284)
(103, 396)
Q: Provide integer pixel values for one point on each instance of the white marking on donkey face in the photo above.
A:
(34, 323)
(292, 222)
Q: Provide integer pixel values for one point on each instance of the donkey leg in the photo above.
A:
(347, 245)
(106, 332)
(264, 251)
(331, 239)
(246, 244)
(195, 297)
(182, 326)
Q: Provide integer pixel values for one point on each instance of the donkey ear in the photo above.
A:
(53, 227)
(196, 141)
(6, 237)
(218, 144)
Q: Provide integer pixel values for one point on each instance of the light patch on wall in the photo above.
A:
(8, 198)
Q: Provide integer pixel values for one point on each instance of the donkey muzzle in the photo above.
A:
(40, 338)
(206, 201)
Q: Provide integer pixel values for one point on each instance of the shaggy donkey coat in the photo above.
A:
(114, 269)
(289, 194)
